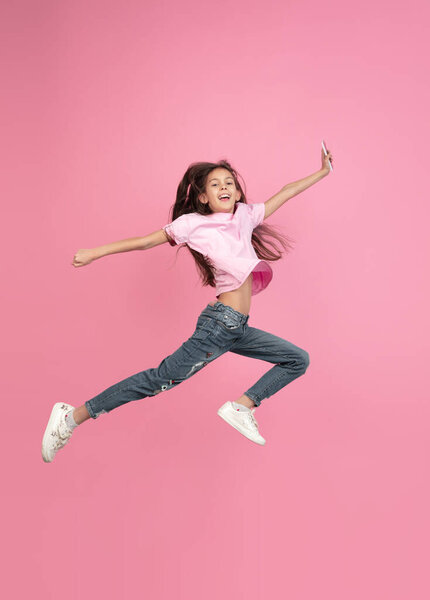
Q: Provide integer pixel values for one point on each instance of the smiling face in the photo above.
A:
(220, 182)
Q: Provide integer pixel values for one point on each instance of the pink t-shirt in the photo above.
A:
(225, 238)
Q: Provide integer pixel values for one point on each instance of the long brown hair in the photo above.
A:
(191, 186)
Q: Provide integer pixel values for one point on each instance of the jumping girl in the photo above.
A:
(225, 235)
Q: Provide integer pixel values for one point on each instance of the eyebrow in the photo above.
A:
(228, 177)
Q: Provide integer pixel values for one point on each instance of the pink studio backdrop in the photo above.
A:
(105, 104)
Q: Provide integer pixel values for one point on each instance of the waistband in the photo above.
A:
(221, 308)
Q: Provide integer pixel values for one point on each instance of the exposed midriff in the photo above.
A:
(238, 299)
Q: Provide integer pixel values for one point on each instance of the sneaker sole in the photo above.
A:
(54, 415)
(230, 422)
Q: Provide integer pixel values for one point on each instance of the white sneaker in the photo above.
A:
(57, 433)
(243, 421)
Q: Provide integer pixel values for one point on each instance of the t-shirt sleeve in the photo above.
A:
(256, 213)
(178, 230)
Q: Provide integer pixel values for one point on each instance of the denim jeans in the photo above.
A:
(219, 329)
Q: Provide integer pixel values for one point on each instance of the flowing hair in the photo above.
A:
(191, 186)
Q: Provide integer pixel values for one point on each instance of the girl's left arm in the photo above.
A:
(296, 187)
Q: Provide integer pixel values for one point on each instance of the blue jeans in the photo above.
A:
(219, 329)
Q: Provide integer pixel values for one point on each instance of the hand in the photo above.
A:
(83, 257)
(326, 160)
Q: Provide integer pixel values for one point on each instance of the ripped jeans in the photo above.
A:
(219, 329)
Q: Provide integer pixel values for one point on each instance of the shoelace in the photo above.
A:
(64, 434)
(252, 419)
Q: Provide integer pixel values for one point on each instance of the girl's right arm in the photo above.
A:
(87, 255)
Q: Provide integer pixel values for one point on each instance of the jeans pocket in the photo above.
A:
(203, 328)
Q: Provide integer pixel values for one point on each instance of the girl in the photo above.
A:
(225, 235)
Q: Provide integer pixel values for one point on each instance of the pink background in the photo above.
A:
(104, 105)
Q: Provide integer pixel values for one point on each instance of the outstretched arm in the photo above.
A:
(87, 255)
(296, 187)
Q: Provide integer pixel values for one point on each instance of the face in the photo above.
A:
(220, 182)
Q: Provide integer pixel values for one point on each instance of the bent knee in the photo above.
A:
(302, 360)
(306, 359)
(298, 361)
